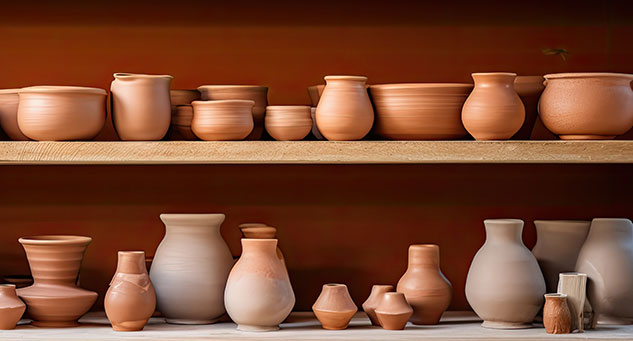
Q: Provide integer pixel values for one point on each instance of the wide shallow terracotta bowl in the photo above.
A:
(424, 111)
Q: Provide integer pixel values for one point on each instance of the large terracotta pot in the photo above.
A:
(288, 122)
(256, 93)
(222, 120)
(258, 294)
(344, 112)
(587, 106)
(607, 259)
(130, 300)
(141, 107)
(54, 300)
(493, 111)
(419, 111)
(190, 268)
(504, 285)
(59, 113)
(427, 290)
(557, 245)
(529, 89)
(334, 307)
(11, 307)
(9, 114)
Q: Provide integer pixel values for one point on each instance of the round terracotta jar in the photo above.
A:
(222, 120)
(9, 114)
(61, 113)
(587, 106)
(288, 122)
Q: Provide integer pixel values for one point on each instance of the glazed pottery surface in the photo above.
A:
(574, 285)
(344, 112)
(315, 92)
(607, 259)
(369, 306)
(529, 89)
(556, 315)
(261, 231)
(557, 245)
(334, 308)
(493, 111)
(504, 285)
(258, 295)
(130, 300)
(9, 114)
(61, 113)
(256, 93)
(419, 111)
(587, 106)
(222, 120)
(181, 124)
(11, 307)
(54, 300)
(393, 311)
(190, 268)
(141, 107)
(288, 122)
(426, 289)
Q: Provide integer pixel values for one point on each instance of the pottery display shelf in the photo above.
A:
(315, 152)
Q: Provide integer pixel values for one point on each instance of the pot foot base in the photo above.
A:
(188, 321)
(55, 324)
(505, 325)
(587, 137)
(249, 328)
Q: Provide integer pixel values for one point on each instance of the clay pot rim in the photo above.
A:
(424, 246)
(192, 215)
(55, 239)
(122, 75)
(494, 74)
(287, 107)
(588, 75)
(343, 77)
(609, 219)
(251, 225)
(133, 252)
(223, 102)
(244, 86)
(503, 221)
(56, 89)
(555, 295)
(382, 285)
(394, 86)
(561, 221)
(9, 91)
(262, 229)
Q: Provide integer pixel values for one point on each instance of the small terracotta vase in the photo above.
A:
(130, 301)
(222, 120)
(427, 290)
(556, 315)
(529, 89)
(9, 114)
(54, 300)
(315, 92)
(11, 307)
(493, 111)
(256, 231)
(334, 308)
(288, 122)
(315, 130)
(369, 306)
(181, 124)
(141, 107)
(256, 93)
(344, 112)
(393, 311)
(61, 113)
(258, 294)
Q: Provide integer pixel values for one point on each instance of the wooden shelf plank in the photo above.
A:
(316, 152)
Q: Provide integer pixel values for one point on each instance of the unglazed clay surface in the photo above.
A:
(334, 308)
(393, 311)
(529, 89)
(369, 306)
(9, 114)
(288, 122)
(222, 120)
(11, 307)
(261, 231)
(315, 92)
(556, 315)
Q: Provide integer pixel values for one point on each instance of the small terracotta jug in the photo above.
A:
(288, 122)
(256, 231)
(369, 306)
(11, 307)
(130, 301)
(426, 289)
(493, 111)
(556, 315)
(344, 112)
(9, 114)
(393, 311)
(334, 308)
(222, 120)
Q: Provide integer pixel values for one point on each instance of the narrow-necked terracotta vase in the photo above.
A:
(11, 307)
(130, 301)
(257, 231)
(529, 89)
(393, 311)
(222, 120)
(334, 308)
(493, 111)
(9, 114)
(369, 306)
(141, 107)
(504, 285)
(344, 112)
(54, 300)
(288, 122)
(556, 315)
(258, 294)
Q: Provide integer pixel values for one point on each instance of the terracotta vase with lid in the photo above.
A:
(258, 294)
(54, 299)
(222, 120)
(263, 231)
(556, 315)
(494, 110)
(529, 89)
(344, 112)
(423, 284)
(130, 300)
(11, 307)
(288, 122)
(9, 114)
(393, 311)
(141, 107)
(334, 308)
(504, 285)
(369, 306)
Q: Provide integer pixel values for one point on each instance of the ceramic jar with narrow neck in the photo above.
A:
(344, 112)
(9, 114)
(11, 307)
(222, 120)
(426, 289)
(504, 285)
(369, 306)
(493, 111)
(141, 106)
(288, 122)
(556, 315)
(529, 89)
(334, 308)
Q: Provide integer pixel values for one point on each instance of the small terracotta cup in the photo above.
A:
(288, 122)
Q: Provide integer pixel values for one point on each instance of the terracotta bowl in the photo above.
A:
(288, 122)
(424, 111)
(9, 114)
(222, 120)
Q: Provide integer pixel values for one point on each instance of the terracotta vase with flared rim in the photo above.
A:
(54, 300)
(344, 112)
(183, 97)
(288, 122)
(556, 315)
(587, 106)
(130, 300)
(9, 99)
(222, 120)
(529, 89)
(11, 307)
(393, 311)
(493, 110)
(261, 232)
(315, 92)
(557, 245)
(258, 294)
(334, 308)
(369, 306)
(424, 285)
